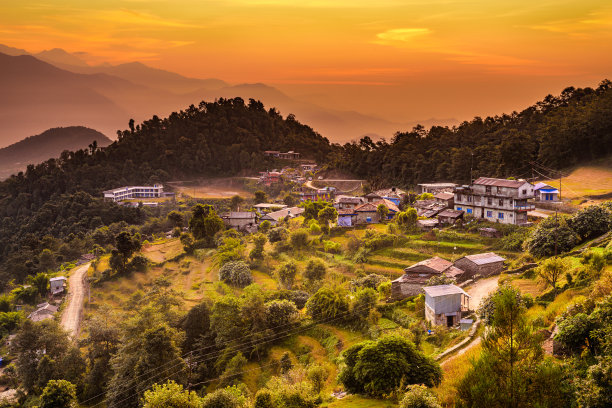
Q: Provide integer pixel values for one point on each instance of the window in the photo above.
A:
(469, 210)
(458, 208)
(524, 191)
(469, 199)
(458, 197)
(489, 201)
(489, 214)
(501, 202)
(369, 219)
(500, 216)
(488, 189)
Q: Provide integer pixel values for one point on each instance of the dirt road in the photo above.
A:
(478, 291)
(71, 316)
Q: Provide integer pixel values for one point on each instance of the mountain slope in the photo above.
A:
(50, 143)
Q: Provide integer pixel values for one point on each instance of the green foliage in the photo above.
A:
(551, 270)
(552, 235)
(326, 216)
(58, 394)
(40, 282)
(440, 280)
(595, 390)
(265, 226)
(204, 224)
(277, 234)
(281, 315)
(188, 243)
(312, 209)
(591, 221)
(332, 247)
(378, 368)
(363, 303)
(170, 395)
(236, 273)
(328, 303)
(418, 396)
(315, 270)
(374, 240)
(260, 197)
(299, 239)
(176, 219)
(287, 273)
(229, 397)
(407, 219)
(425, 196)
(314, 228)
(382, 211)
(235, 202)
(196, 324)
(285, 363)
(231, 249)
(233, 370)
(369, 281)
(317, 375)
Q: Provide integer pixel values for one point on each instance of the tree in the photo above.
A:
(40, 282)
(419, 396)
(287, 273)
(233, 370)
(551, 269)
(591, 221)
(379, 367)
(204, 224)
(299, 239)
(46, 260)
(235, 202)
(315, 270)
(58, 394)
(552, 236)
(281, 315)
(365, 301)
(285, 363)
(176, 219)
(326, 216)
(196, 324)
(229, 397)
(317, 375)
(236, 273)
(312, 209)
(265, 226)
(126, 245)
(170, 395)
(382, 212)
(260, 197)
(407, 219)
(328, 303)
(289, 200)
(259, 241)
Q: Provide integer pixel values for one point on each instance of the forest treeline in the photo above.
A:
(227, 137)
(556, 132)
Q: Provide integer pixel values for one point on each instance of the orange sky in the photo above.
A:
(402, 60)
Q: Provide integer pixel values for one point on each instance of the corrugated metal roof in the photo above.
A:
(57, 278)
(436, 263)
(239, 215)
(444, 196)
(450, 213)
(483, 259)
(443, 290)
(487, 181)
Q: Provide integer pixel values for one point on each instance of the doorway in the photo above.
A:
(450, 320)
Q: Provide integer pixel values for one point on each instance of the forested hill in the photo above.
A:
(557, 132)
(219, 138)
(50, 143)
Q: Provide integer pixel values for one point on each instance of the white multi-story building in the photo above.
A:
(496, 200)
(131, 192)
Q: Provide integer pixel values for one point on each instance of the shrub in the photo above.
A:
(236, 273)
(552, 234)
(280, 314)
(419, 396)
(592, 221)
(369, 281)
(277, 234)
(299, 239)
(333, 247)
(315, 270)
(327, 303)
(229, 397)
(287, 273)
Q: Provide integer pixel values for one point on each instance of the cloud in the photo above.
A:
(400, 35)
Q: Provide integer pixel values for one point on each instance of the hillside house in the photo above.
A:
(308, 167)
(290, 155)
(344, 202)
(428, 208)
(276, 216)
(392, 194)
(245, 221)
(269, 177)
(346, 217)
(325, 194)
(434, 188)
(444, 304)
(367, 213)
(263, 207)
(544, 192)
(497, 200)
(57, 285)
(427, 225)
(480, 264)
(371, 197)
(450, 216)
(489, 232)
(134, 192)
(447, 199)
(417, 275)
(43, 311)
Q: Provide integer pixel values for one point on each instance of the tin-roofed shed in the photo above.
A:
(485, 264)
(444, 304)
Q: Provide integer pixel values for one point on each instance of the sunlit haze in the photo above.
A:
(400, 60)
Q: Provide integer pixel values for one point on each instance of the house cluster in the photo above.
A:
(248, 221)
(491, 199)
(137, 193)
(290, 155)
(297, 174)
(445, 304)
(364, 210)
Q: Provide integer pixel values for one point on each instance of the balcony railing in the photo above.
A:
(525, 207)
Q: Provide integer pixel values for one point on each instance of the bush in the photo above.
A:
(287, 273)
(281, 314)
(369, 281)
(378, 368)
(277, 234)
(229, 397)
(591, 221)
(315, 270)
(327, 303)
(236, 273)
(299, 239)
(419, 396)
(332, 247)
(139, 263)
(552, 234)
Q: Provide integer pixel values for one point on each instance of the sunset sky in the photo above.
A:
(402, 60)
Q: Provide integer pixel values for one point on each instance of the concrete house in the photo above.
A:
(544, 192)
(245, 221)
(344, 202)
(57, 284)
(371, 197)
(417, 275)
(346, 217)
(485, 264)
(434, 188)
(263, 207)
(448, 199)
(429, 208)
(444, 304)
(134, 192)
(497, 200)
(392, 194)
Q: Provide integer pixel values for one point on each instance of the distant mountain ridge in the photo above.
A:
(106, 96)
(50, 143)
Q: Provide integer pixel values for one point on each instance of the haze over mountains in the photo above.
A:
(51, 143)
(56, 88)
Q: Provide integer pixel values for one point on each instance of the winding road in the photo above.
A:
(77, 287)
